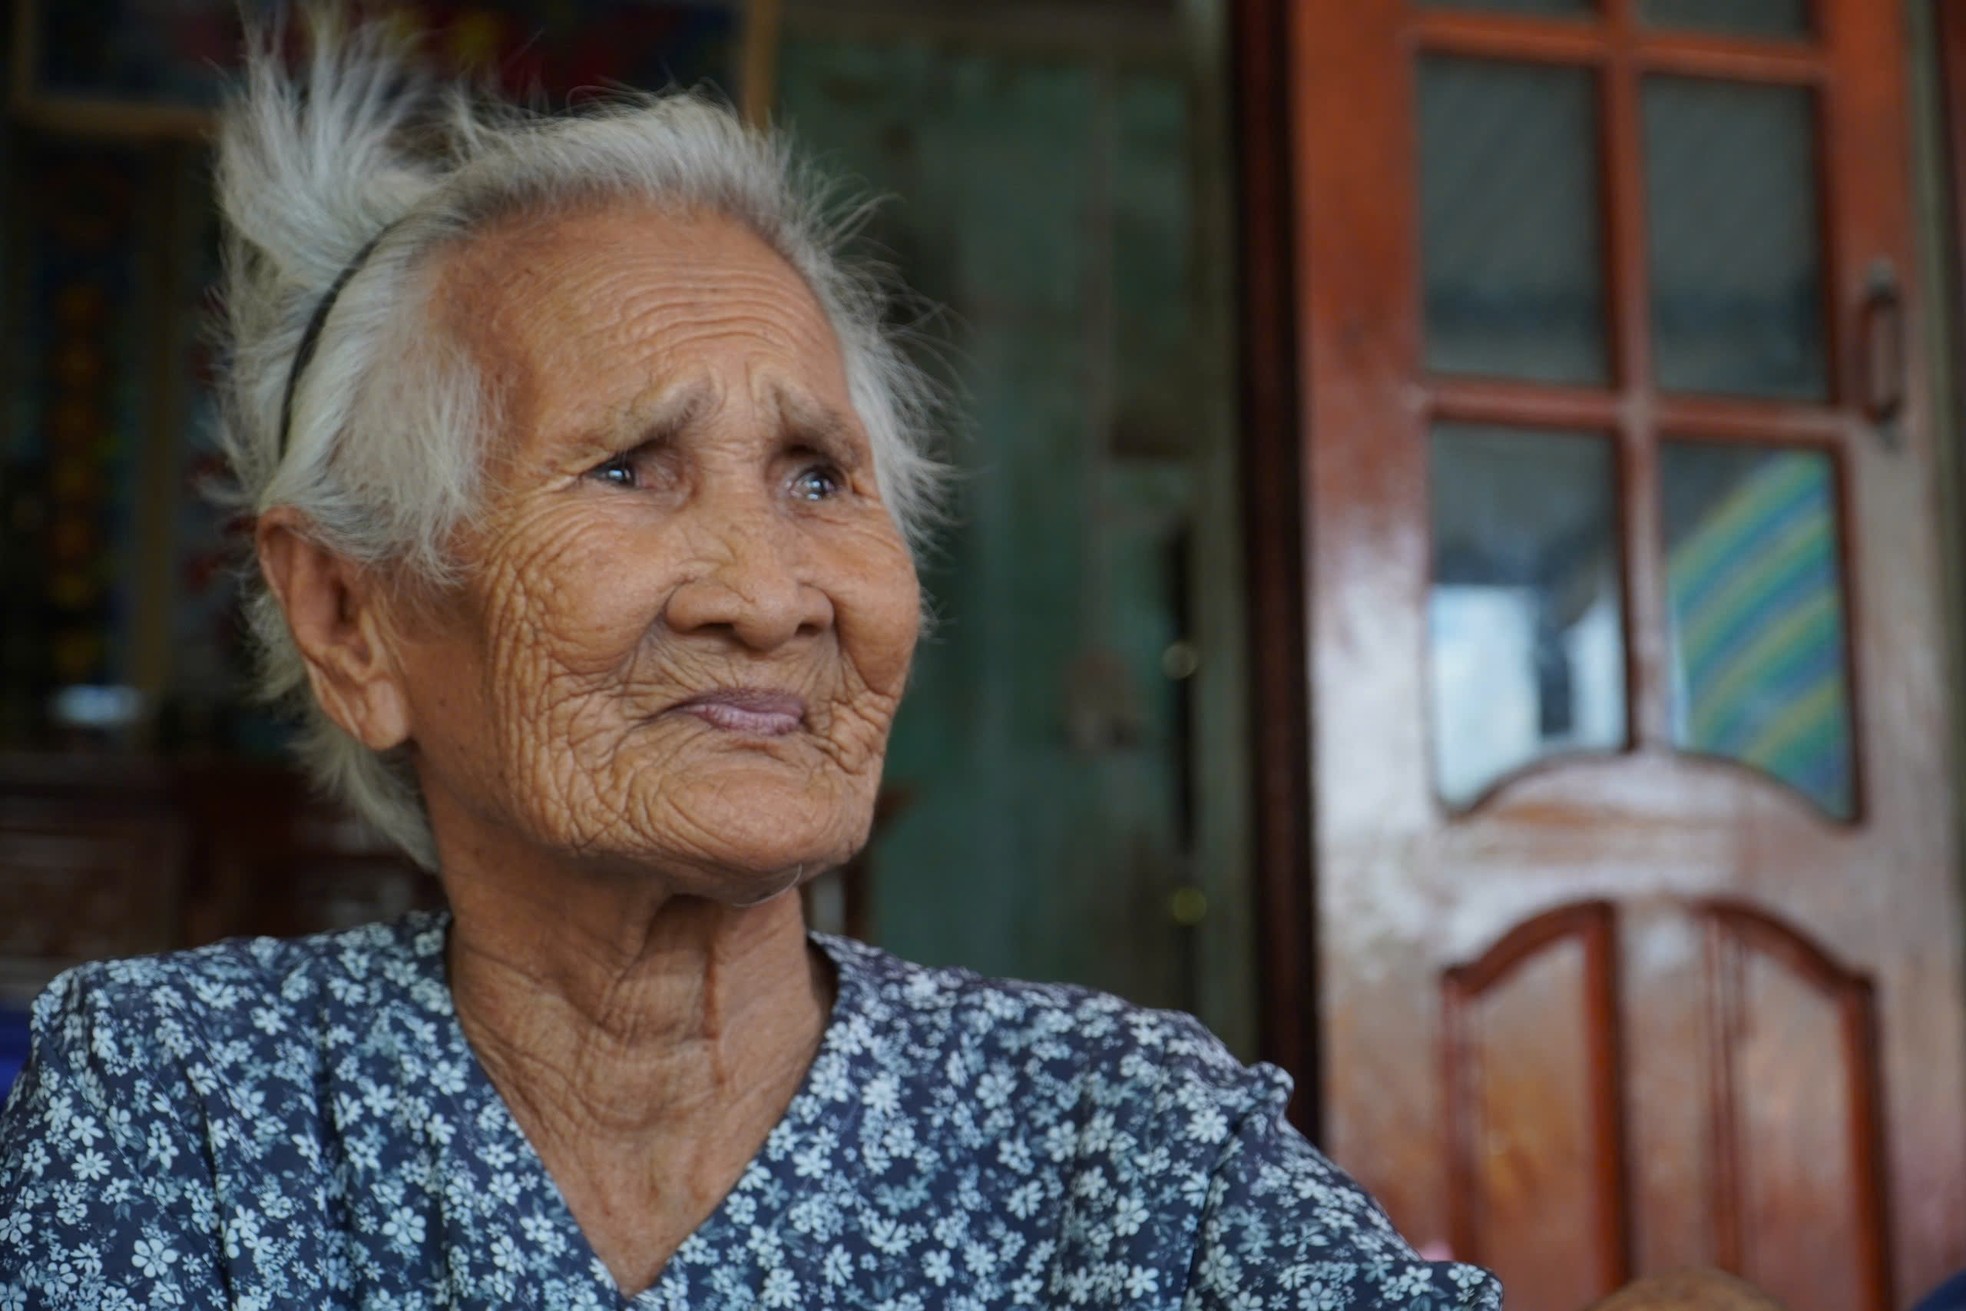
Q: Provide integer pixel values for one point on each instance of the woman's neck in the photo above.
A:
(652, 1013)
(646, 1045)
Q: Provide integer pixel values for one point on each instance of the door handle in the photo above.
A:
(1882, 344)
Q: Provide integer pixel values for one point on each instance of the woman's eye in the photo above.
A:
(618, 472)
(819, 483)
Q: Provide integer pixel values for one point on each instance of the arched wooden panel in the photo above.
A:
(1532, 1096)
(1798, 1176)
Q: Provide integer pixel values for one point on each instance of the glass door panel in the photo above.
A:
(1525, 612)
(1755, 614)
(1512, 254)
(1735, 236)
(1734, 17)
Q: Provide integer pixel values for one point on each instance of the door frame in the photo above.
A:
(1938, 29)
(1274, 488)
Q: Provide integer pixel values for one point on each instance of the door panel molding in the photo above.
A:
(1484, 1158)
(1742, 941)
(1539, 1176)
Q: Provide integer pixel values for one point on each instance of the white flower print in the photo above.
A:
(881, 1095)
(152, 1258)
(781, 1289)
(1129, 1213)
(271, 1124)
(90, 1164)
(404, 1229)
(1207, 1125)
(1025, 1201)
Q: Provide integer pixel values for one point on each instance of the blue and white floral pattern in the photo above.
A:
(296, 1124)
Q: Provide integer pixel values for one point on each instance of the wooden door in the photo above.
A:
(1638, 930)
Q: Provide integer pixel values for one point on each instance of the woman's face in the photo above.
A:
(688, 617)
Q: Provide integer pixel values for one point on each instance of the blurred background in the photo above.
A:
(1455, 578)
(1054, 184)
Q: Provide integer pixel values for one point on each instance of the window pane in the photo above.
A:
(1510, 221)
(1547, 8)
(1738, 17)
(1755, 607)
(1737, 281)
(1526, 610)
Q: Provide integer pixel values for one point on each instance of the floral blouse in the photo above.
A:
(301, 1123)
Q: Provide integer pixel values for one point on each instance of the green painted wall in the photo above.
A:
(1048, 204)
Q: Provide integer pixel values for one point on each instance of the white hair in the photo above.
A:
(365, 171)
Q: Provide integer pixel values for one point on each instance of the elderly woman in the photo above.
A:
(584, 484)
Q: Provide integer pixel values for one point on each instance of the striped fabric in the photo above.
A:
(1755, 591)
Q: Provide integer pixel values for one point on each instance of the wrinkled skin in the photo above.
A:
(685, 501)
(679, 502)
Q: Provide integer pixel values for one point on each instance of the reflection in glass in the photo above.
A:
(1510, 220)
(1736, 17)
(1734, 231)
(1527, 641)
(1544, 8)
(1755, 610)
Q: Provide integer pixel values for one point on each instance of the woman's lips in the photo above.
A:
(748, 710)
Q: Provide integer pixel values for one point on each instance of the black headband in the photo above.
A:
(312, 337)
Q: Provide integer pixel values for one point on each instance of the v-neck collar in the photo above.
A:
(757, 1201)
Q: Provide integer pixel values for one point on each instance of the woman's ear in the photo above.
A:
(334, 609)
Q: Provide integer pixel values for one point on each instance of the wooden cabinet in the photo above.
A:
(111, 856)
(82, 879)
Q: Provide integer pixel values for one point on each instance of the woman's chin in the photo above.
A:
(750, 834)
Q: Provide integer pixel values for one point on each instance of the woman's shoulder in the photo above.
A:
(249, 984)
(1051, 1038)
(1132, 1134)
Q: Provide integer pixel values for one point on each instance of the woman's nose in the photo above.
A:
(751, 587)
